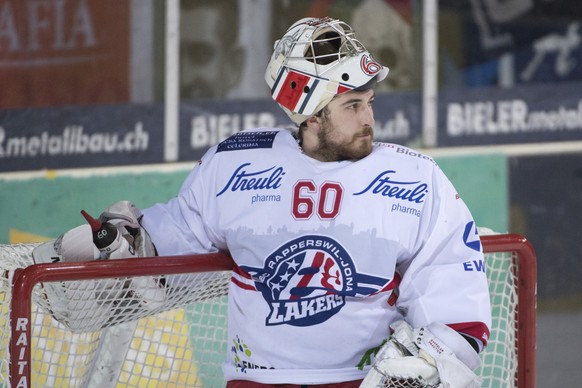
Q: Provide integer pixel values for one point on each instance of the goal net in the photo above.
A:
(117, 327)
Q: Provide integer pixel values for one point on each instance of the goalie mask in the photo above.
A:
(315, 60)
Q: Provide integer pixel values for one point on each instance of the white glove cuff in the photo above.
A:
(437, 338)
(74, 245)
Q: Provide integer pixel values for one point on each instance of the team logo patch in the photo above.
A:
(247, 140)
(306, 281)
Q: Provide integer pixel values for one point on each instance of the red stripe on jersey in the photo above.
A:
(239, 271)
(477, 330)
(392, 284)
(292, 89)
(245, 282)
(243, 285)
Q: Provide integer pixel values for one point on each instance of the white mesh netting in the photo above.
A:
(177, 339)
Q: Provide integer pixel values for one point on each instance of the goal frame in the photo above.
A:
(25, 279)
(525, 256)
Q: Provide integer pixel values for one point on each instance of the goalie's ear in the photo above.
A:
(74, 245)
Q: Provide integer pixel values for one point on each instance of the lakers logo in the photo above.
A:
(305, 281)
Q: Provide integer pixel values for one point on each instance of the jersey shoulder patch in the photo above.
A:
(247, 140)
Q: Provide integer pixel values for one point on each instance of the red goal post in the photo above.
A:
(115, 347)
(517, 263)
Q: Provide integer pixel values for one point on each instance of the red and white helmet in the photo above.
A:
(315, 60)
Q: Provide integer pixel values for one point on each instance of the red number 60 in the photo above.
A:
(308, 198)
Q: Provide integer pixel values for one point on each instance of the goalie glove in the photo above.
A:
(127, 238)
(425, 358)
(90, 304)
(125, 216)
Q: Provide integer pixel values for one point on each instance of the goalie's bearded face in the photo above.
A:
(343, 130)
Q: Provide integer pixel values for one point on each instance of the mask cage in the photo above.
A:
(329, 43)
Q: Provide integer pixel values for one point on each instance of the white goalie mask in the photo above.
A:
(315, 60)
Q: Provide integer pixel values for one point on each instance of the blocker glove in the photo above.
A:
(432, 356)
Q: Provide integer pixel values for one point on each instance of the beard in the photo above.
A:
(353, 147)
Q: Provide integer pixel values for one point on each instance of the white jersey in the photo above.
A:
(320, 250)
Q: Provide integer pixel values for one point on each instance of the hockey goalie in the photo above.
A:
(324, 225)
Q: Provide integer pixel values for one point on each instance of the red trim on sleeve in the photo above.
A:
(477, 330)
(242, 279)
